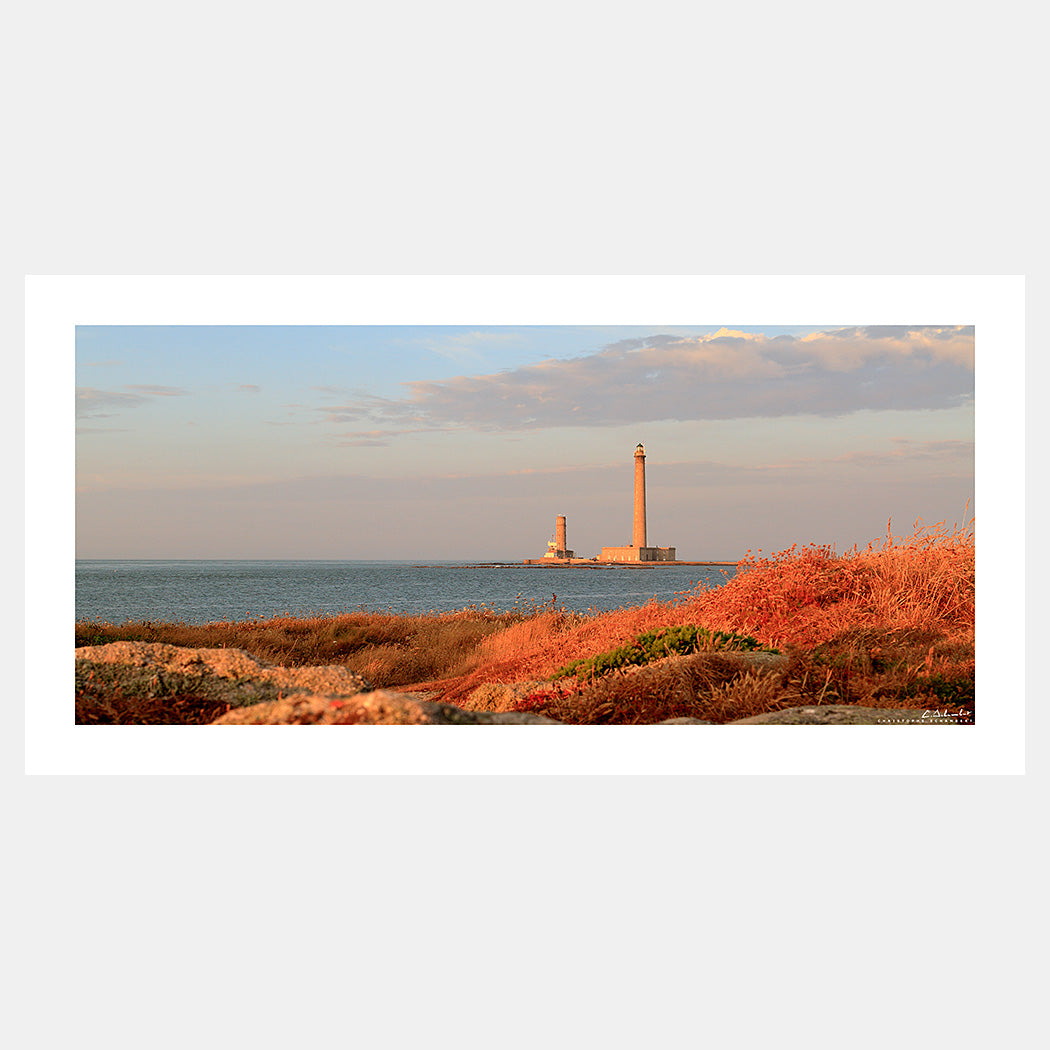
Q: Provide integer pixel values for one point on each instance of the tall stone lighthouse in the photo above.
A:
(639, 549)
(639, 497)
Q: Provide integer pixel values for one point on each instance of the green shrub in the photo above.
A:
(654, 645)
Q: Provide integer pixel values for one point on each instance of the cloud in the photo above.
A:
(844, 348)
(249, 388)
(157, 391)
(725, 375)
(385, 411)
(92, 403)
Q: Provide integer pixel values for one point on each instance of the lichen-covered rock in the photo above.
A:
(153, 682)
(501, 696)
(381, 707)
(447, 714)
(234, 665)
(684, 722)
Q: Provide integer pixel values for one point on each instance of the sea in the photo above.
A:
(197, 592)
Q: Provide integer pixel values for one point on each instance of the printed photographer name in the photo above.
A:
(964, 717)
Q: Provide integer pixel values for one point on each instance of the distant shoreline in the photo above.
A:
(562, 563)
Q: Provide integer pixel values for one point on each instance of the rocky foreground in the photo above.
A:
(156, 683)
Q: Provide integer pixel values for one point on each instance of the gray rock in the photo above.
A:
(233, 674)
(844, 714)
(381, 707)
(448, 715)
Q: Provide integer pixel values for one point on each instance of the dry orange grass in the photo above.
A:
(712, 689)
(804, 596)
(552, 643)
(798, 598)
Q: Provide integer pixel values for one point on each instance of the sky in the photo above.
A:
(442, 442)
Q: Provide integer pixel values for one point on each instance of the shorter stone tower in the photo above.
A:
(557, 547)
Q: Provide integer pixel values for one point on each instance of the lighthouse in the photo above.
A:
(557, 547)
(639, 497)
(639, 550)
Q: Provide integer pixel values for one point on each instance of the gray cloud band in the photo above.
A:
(94, 403)
(727, 376)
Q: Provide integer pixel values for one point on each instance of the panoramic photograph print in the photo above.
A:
(700, 525)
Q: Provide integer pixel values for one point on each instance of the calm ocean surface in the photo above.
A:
(203, 591)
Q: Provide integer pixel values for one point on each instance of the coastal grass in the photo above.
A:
(806, 596)
(386, 649)
(890, 625)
